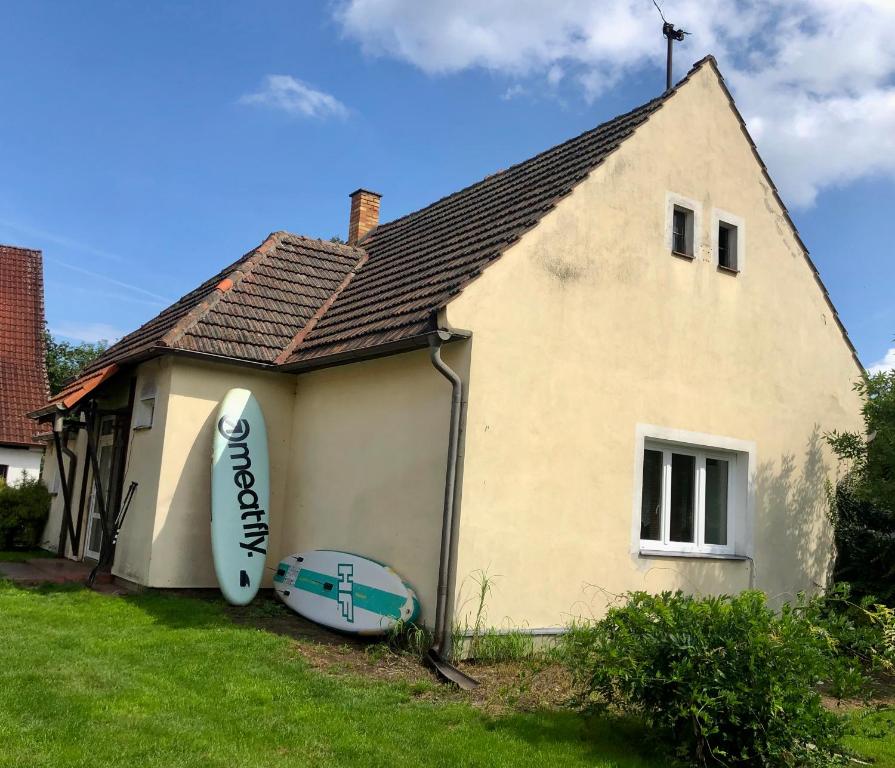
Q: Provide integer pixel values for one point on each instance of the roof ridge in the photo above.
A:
(203, 307)
(299, 337)
(657, 101)
(602, 126)
(20, 248)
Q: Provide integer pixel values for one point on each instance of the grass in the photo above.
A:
(20, 555)
(159, 680)
(871, 734)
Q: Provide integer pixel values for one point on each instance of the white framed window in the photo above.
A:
(728, 241)
(692, 494)
(682, 225)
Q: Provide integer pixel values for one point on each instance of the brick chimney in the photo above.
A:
(364, 214)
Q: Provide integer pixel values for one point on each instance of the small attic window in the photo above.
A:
(727, 246)
(682, 231)
(683, 217)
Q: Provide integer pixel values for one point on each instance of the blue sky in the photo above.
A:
(143, 146)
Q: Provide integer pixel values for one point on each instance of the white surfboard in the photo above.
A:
(240, 493)
(345, 592)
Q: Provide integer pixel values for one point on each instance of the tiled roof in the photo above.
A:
(294, 299)
(420, 262)
(77, 390)
(23, 371)
(297, 302)
(250, 311)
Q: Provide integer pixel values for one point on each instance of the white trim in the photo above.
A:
(719, 215)
(673, 199)
(741, 493)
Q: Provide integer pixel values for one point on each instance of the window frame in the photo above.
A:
(738, 225)
(740, 492)
(699, 455)
(673, 202)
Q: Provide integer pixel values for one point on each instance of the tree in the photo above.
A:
(66, 360)
(864, 505)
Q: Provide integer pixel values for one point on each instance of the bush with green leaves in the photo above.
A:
(720, 680)
(863, 504)
(861, 632)
(23, 513)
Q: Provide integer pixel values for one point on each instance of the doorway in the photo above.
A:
(105, 449)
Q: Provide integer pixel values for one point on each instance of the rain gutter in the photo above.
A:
(441, 648)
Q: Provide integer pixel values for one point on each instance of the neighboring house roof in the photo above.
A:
(23, 368)
(296, 302)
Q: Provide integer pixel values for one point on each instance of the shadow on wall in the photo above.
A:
(793, 535)
(181, 549)
(792, 551)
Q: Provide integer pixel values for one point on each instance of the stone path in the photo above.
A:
(52, 570)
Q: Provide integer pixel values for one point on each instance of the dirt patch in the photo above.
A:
(520, 685)
(526, 685)
(881, 695)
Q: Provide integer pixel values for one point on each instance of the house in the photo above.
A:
(23, 368)
(606, 368)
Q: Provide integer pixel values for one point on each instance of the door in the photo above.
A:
(105, 453)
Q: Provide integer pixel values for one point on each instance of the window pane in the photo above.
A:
(715, 501)
(679, 243)
(651, 505)
(683, 498)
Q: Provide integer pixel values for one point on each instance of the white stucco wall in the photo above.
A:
(20, 462)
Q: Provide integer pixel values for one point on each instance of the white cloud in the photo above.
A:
(514, 91)
(815, 79)
(887, 363)
(91, 332)
(290, 95)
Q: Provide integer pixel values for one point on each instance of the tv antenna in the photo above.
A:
(671, 34)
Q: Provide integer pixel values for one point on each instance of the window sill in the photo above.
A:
(680, 255)
(142, 427)
(691, 555)
(728, 270)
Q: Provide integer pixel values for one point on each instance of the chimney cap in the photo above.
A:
(360, 190)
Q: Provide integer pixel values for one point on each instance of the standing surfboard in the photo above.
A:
(240, 492)
(345, 592)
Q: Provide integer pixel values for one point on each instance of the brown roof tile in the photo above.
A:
(249, 311)
(418, 263)
(23, 372)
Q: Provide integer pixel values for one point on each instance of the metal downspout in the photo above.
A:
(442, 645)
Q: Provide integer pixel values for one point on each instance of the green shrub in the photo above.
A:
(721, 679)
(23, 513)
(862, 633)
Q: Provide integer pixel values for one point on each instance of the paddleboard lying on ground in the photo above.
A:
(240, 491)
(345, 592)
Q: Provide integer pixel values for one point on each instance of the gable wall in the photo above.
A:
(589, 326)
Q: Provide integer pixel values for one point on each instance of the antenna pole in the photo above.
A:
(671, 34)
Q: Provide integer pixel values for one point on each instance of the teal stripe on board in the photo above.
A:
(282, 570)
(366, 597)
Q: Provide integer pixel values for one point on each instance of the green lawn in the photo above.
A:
(156, 680)
(872, 736)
